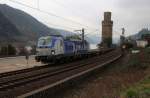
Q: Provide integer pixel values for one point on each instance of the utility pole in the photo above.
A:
(83, 33)
(123, 31)
(122, 38)
(7, 50)
(83, 37)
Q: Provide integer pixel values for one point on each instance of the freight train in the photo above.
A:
(56, 48)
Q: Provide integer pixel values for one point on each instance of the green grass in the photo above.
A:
(141, 89)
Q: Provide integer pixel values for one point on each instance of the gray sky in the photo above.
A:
(130, 14)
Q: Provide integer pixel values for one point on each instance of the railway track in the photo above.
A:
(21, 73)
(20, 83)
(38, 68)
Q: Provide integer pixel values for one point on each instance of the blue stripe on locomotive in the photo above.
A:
(80, 48)
(71, 47)
(68, 47)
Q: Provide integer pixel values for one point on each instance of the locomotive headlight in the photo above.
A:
(52, 52)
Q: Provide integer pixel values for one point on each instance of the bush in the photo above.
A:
(11, 50)
(8, 50)
(131, 94)
(3, 50)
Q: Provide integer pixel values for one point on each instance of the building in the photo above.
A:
(146, 37)
(141, 43)
(107, 25)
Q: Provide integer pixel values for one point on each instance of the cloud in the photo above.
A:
(131, 14)
(133, 3)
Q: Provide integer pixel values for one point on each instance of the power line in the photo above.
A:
(38, 4)
(64, 6)
(60, 25)
(23, 4)
(45, 12)
(51, 14)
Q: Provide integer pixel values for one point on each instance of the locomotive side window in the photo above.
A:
(48, 40)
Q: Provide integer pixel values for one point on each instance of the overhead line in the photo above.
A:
(51, 14)
(60, 25)
(64, 6)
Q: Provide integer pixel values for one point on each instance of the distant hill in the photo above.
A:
(8, 31)
(19, 27)
(139, 34)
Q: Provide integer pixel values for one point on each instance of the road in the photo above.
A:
(16, 63)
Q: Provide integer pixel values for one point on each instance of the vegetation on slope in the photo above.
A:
(140, 89)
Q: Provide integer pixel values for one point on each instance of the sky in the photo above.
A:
(133, 15)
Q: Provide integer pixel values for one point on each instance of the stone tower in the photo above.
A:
(107, 25)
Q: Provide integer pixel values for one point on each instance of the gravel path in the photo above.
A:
(16, 63)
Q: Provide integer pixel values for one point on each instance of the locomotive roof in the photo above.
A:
(51, 35)
(73, 40)
(85, 41)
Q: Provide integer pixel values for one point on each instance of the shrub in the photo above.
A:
(131, 94)
(8, 50)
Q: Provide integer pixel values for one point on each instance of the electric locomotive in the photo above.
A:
(56, 48)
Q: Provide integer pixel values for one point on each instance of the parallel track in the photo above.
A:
(37, 68)
(21, 78)
(9, 82)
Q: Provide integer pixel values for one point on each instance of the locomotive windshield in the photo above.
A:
(44, 41)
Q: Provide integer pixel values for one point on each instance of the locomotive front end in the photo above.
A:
(49, 48)
(45, 49)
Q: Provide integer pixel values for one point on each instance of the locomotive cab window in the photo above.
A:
(41, 42)
(45, 41)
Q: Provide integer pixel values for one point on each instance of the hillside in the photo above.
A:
(139, 34)
(18, 26)
(8, 32)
